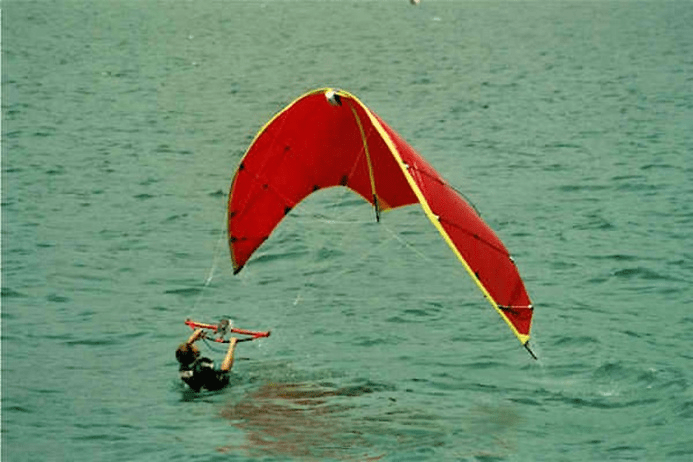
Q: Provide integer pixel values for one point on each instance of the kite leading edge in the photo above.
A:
(329, 138)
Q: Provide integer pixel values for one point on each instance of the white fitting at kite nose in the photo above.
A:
(332, 98)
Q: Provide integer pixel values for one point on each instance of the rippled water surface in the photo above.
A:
(566, 123)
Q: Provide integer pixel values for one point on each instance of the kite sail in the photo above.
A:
(330, 138)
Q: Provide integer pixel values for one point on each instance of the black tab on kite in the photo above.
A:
(377, 208)
(529, 350)
(509, 309)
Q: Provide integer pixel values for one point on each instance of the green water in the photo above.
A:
(568, 124)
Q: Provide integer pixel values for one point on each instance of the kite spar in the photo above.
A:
(329, 138)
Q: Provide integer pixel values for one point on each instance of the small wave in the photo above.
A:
(572, 340)
(418, 312)
(483, 365)
(680, 453)
(615, 257)
(44, 132)
(399, 320)
(55, 298)
(627, 177)
(369, 342)
(271, 257)
(59, 170)
(22, 409)
(164, 149)
(584, 187)
(659, 166)
(610, 370)
(176, 217)
(46, 391)
(10, 293)
(92, 342)
(685, 409)
(639, 273)
(101, 437)
(604, 402)
(595, 221)
(186, 292)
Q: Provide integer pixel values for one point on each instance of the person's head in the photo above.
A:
(187, 354)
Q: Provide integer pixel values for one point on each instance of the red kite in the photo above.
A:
(329, 138)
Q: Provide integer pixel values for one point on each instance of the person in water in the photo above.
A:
(199, 372)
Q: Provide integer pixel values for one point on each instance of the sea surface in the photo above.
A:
(568, 124)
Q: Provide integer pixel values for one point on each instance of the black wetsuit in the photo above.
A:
(202, 374)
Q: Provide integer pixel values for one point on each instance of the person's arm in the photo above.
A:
(195, 336)
(228, 360)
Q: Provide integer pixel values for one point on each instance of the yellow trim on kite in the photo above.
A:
(376, 199)
(429, 213)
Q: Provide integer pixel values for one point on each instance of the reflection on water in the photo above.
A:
(302, 420)
(364, 421)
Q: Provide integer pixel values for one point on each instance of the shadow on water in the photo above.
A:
(306, 421)
(362, 421)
